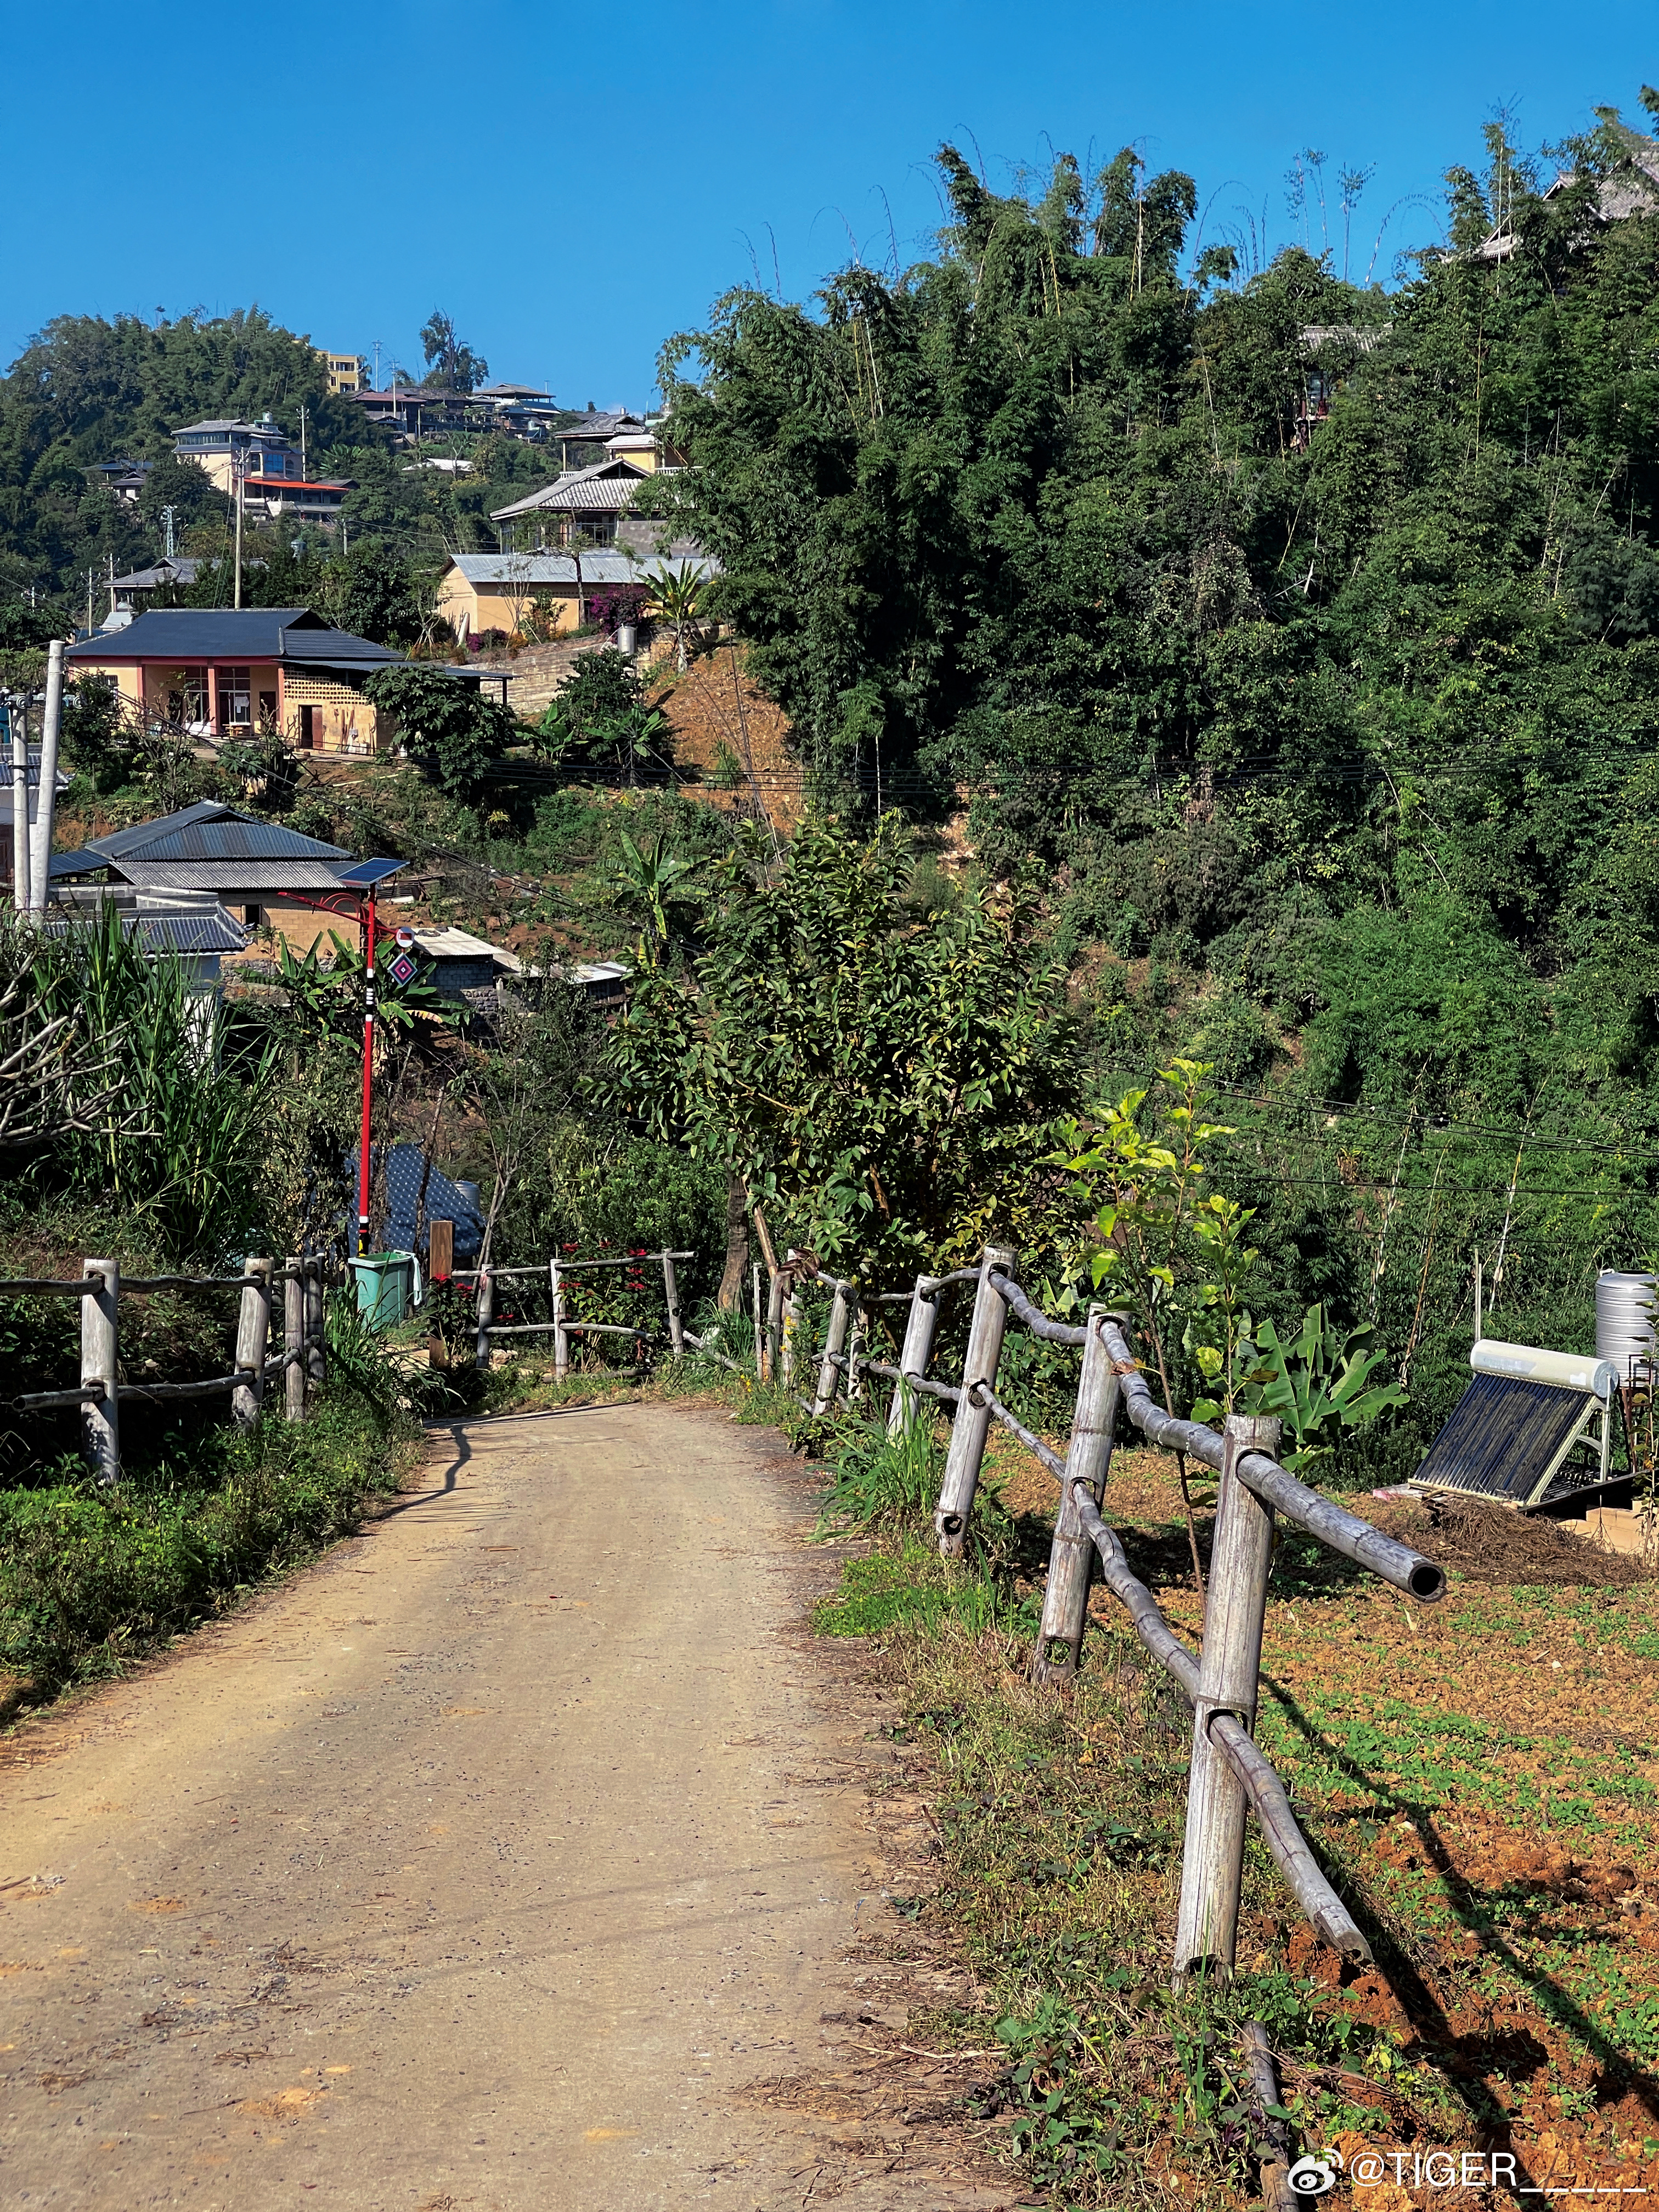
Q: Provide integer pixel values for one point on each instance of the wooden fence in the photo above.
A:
(555, 1272)
(1230, 1777)
(101, 1393)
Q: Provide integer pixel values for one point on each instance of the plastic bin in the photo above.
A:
(388, 1286)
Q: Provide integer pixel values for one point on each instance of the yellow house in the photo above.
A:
(500, 591)
(345, 372)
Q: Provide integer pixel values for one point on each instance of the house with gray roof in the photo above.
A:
(482, 591)
(216, 673)
(267, 875)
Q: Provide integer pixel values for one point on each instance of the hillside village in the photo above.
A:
(957, 1029)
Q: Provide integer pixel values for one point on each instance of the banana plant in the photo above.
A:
(1319, 1385)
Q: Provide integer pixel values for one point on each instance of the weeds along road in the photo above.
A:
(484, 1865)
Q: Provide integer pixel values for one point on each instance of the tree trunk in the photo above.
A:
(737, 1246)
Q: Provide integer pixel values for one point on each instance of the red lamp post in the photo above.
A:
(367, 875)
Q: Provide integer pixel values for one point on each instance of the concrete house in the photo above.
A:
(497, 590)
(218, 671)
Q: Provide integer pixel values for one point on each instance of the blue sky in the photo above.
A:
(573, 187)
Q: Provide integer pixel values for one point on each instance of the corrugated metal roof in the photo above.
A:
(180, 570)
(528, 569)
(32, 780)
(210, 830)
(196, 925)
(229, 875)
(461, 945)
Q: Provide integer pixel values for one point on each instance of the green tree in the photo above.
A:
(447, 727)
(450, 365)
(885, 1085)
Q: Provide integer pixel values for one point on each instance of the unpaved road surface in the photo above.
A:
(487, 1864)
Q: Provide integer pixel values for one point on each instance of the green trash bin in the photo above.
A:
(385, 1287)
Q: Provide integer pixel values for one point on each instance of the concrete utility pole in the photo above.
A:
(17, 715)
(234, 463)
(45, 806)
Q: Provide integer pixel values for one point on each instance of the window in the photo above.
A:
(187, 696)
(236, 699)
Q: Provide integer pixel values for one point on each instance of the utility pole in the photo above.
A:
(305, 473)
(46, 804)
(17, 715)
(238, 472)
(89, 577)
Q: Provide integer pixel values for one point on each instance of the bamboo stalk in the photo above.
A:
(1071, 1555)
(919, 1324)
(834, 1343)
(1212, 1857)
(294, 1340)
(100, 1349)
(561, 1334)
(1275, 1486)
(973, 1421)
(253, 1341)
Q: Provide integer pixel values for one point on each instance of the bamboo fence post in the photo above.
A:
(856, 1357)
(100, 1349)
(841, 1312)
(671, 1291)
(1071, 1556)
(1212, 1856)
(294, 1341)
(791, 1323)
(253, 1343)
(760, 1325)
(316, 1337)
(774, 1323)
(918, 1326)
(561, 1334)
(486, 1312)
(973, 1421)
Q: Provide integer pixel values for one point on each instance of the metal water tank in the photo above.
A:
(1624, 1318)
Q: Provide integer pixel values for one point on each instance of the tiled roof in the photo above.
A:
(608, 484)
(180, 636)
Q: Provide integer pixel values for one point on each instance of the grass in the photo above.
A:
(1480, 1780)
(91, 1578)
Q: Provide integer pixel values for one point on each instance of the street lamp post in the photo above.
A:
(366, 877)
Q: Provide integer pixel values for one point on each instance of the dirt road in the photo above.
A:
(487, 1864)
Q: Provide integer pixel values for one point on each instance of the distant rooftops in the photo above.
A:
(610, 484)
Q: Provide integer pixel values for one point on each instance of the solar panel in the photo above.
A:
(366, 872)
(1509, 1438)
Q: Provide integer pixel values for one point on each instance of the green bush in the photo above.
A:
(90, 1578)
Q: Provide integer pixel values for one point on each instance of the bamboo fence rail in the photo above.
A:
(1230, 1777)
(101, 1391)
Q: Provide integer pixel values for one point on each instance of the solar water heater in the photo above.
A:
(1533, 1427)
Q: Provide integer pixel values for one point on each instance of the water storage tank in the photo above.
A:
(1530, 1363)
(1624, 1318)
